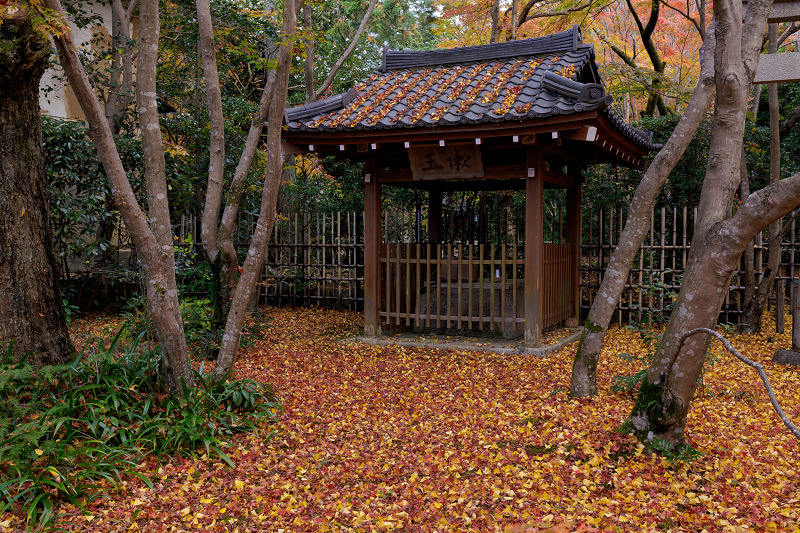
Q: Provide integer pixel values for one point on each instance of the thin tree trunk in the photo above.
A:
(495, 21)
(309, 63)
(254, 264)
(662, 404)
(751, 321)
(153, 242)
(749, 251)
(162, 294)
(584, 368)
(348, 51)
(31, 311)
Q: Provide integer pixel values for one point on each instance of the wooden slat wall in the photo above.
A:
(465, 279)
(318, 260)
(558, 286)
(658, 270)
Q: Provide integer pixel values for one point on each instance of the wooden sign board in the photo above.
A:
(775, 68)
(443, 162)
(784, 11)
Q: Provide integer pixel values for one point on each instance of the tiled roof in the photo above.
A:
(514, 81)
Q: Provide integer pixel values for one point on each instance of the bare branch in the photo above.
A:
(791, 30)
(748, 362)
(556, 13)
(332, 74)
(790, 121)
(700, 29)
(788, 225)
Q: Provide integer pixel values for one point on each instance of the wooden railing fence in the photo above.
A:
(655, 278)
(318, 259)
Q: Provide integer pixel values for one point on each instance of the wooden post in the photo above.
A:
(574, 240)
(796, 315)
(780, 304)
(372, 247)
(534, 248)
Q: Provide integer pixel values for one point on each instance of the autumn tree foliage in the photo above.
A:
(647, 50)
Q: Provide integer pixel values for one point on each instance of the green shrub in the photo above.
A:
(65, 428)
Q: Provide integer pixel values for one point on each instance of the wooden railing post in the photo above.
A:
(574, 240)
(372, 246)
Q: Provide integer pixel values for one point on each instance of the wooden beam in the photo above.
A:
(292, 149)
(558, 179)
(586, 133)
(776, 68)
(534, 249)
(517, 184)
(490, 172)
(783, 11)
(372, 247)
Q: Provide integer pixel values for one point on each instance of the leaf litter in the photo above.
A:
(409, 439)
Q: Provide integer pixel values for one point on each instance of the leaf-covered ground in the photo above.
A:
(379, 439)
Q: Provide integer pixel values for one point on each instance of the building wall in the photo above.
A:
(56, 98)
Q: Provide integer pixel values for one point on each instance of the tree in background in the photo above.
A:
(215, 232)
(151, 233)
(31, 311)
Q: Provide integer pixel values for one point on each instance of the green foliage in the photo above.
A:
(397, 24)
(674, 454)
(607, 186)
(66, 430)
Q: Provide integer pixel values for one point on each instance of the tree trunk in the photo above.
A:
(754, 310)
(664, 397)
(663, 401)
(31, 311)
(584, 378)
(153, 240)
(254, 264)
(309, 63)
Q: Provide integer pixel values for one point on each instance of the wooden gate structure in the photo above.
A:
(520, 115)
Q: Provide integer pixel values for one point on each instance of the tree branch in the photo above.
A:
(332, 74)
(686, 15)
(555, 13)
(748, 362)
(635, 16)
(620, 52)
(790, 121)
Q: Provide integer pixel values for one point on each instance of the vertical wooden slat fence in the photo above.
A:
(318, 259)
(468, 288)
(657, 272)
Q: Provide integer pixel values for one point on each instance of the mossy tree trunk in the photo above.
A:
(31, 311)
